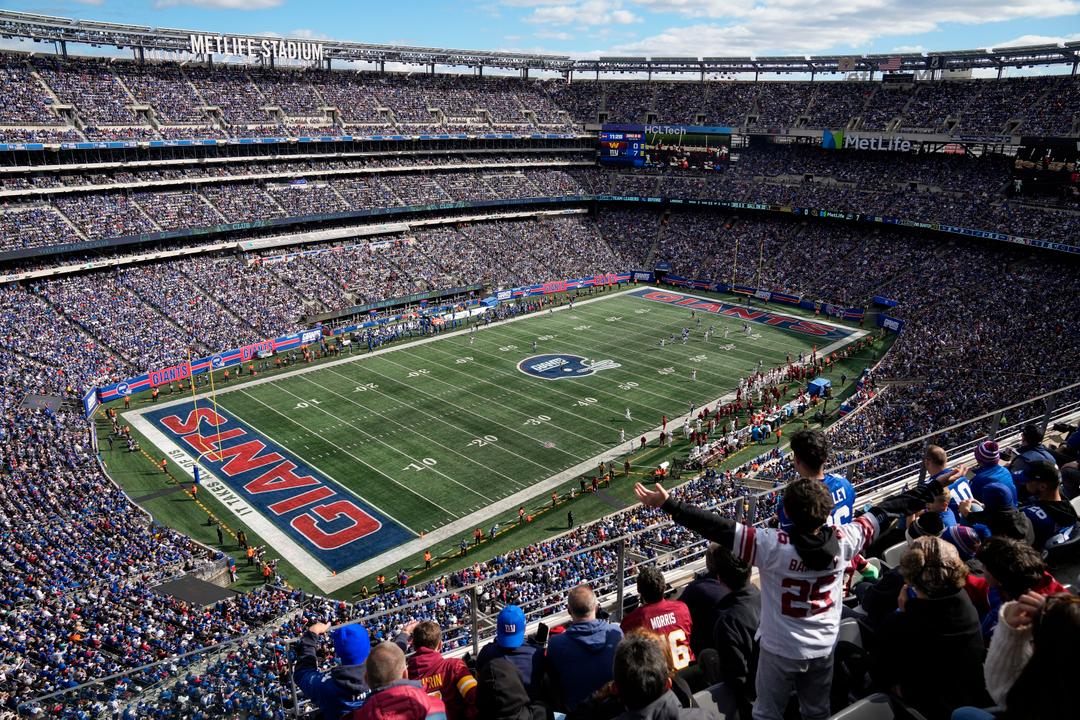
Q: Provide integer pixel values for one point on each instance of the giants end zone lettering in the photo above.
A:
(313, 509)
(785, 322)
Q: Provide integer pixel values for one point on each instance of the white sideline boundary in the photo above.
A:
(318, 573)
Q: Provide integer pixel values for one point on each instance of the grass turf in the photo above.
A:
(491, 430)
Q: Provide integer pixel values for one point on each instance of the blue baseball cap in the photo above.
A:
(352, 644)
(510, 632)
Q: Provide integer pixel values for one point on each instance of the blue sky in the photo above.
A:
(629, 27)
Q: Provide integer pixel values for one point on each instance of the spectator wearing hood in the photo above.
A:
(934, 612)
(501, 695)
(1012, 568)
(394, 696)
(1031, 450)
(999, 513)
(342, 688)
(1049, 513)
(510, 644)
(578, 661)
(988, 470)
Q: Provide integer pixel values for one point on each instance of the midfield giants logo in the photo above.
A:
(557, 367)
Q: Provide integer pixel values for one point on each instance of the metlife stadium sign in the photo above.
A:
(256, 47)
(837, 139)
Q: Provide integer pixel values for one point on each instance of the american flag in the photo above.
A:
(889, 64)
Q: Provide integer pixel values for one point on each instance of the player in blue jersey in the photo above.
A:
(1049, 513)
(936, 462)
(810, 450)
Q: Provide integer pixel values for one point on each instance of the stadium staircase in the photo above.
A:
(74, 228)
(198, 193)
(142, 211)
(193, 278)
(83, 330)
(650, 259)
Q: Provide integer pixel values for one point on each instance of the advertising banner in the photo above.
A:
(176, 373)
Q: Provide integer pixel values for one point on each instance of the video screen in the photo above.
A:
(685, 149)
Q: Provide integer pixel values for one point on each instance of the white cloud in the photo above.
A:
(908, 49)
(223, 4)
(582, 13)
(753, 27)
(1038, 40)
(309, 34)
(553, 35)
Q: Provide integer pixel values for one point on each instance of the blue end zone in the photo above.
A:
(738, 312)
(327, 521)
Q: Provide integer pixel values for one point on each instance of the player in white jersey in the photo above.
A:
(727, 331)
(802, 583)
(622, 436)
(661, 343)
(628, 418)
(472, 339)
(534, 346)
(693, 374)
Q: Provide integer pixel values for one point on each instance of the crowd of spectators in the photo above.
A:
(75, 580)
(242, 101)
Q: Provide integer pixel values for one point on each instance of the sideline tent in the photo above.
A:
(818, 386)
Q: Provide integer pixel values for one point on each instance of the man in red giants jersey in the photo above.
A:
(668, 618)
(445, 678)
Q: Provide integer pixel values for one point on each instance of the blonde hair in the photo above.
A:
(933, 567)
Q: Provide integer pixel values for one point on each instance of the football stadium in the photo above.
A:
(375, 380)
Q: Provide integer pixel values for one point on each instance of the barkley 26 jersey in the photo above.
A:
(800, 607)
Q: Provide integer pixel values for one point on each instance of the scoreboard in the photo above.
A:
(622, 147)
(665, 146)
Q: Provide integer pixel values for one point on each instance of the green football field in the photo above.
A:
(444, 436)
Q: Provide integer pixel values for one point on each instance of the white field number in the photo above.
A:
(582, 328)
(699, 358)
(586, 402)
(464, 360)
(544, 338)
(666, 371)
(424, 464)
(365, 387)
(508, 348)
(306, 403)
(628, 385)
(539, 419)
(613, 318)
(419, 373)
(641, 311)
(482, 441)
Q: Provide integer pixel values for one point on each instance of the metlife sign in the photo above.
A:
(837, 139)
(256, 47)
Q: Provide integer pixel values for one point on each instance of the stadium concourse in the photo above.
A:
(116, 261)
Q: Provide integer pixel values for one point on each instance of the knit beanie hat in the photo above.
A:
(987, 453)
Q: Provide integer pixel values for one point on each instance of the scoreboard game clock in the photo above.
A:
(622, 147)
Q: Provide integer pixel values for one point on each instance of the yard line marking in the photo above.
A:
(392, 449)
(247, 385)
(428, 438)
(354, 457)
(465, 410)
(547, 406)
(598, 390)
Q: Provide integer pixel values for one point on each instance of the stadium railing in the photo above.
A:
(149, 680)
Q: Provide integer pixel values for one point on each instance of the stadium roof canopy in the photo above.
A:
(44, 28)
